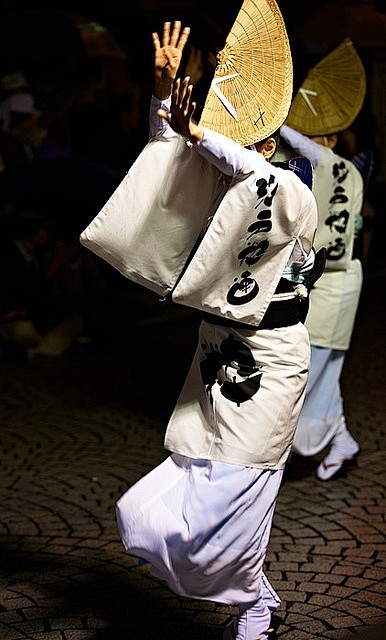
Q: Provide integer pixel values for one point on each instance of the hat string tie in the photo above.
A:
(225, 102)
(305, 93)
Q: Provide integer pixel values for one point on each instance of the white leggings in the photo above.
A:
(204, 526)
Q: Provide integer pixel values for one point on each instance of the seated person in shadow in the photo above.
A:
(40, 305)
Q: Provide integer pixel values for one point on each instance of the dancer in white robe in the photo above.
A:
(203, 517)
(338, 187)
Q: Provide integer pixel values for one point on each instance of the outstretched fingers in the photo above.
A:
(182, 93)
(156, 42)
(166, 34)
(176, 38)
(175, 33)
(185, 94)
(183, 38)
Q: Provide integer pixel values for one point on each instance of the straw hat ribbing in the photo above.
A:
(332, 94)
(251, 90)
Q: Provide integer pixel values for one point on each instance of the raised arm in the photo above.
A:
(301, 144)
(181, 112)
(225, 154)
(167, 57)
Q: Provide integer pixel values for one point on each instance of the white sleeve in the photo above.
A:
(302, 144)
(158, 125)
(225, 154)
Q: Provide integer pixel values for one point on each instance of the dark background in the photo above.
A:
(42, 39)
(36, 36)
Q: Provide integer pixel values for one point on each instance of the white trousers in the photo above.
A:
(204, 526)
(322, 415)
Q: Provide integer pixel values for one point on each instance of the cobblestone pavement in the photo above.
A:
(77, 431)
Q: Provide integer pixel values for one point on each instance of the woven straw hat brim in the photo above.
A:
(332, 94)
(251, 91)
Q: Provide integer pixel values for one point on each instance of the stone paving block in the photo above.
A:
(294, 619)
(328, 578)
(322, 600)
(39, 611)
(325, 614)
(65, 623)
(47, 635)
(46, 579)
(377, 587)
(339, 535)
(360, 583)
(98, 623)
(292, 577)
(295, 557)
(279, 538)
(374, 573)
(312, 587)
(53, 602)
(341, 591)
(10, 617)
(343, 622)
(364, 613)
(333, 549)
(33, 625)
(296, 634)
(292, 596)
(297, 530)
(314, 627)
(283, 566)
(357, 609)
(374, 599)
(14, 601)
(319, 563)
(369, 538)
(80, 635)
(304, 548)
(364, 552)
(8, 633)
(303, 608)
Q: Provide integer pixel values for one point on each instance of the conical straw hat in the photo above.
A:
(251, 90)
(332, 94)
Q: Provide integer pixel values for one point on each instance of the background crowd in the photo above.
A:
(74, 117)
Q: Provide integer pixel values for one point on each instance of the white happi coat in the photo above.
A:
(338, 188)
(150, 226)
(148, 229)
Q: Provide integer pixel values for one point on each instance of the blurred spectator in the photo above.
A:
(21, 131)
(11, 85)
(40, 297)
(109, 130)
(96, 124)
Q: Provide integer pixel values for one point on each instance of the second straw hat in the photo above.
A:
(251, 90)
(332, 94)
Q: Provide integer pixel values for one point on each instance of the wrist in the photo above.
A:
(162, 90)
(196, 135)
(161, 95)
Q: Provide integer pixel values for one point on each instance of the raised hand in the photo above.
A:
(167, 57)
(182, 110)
